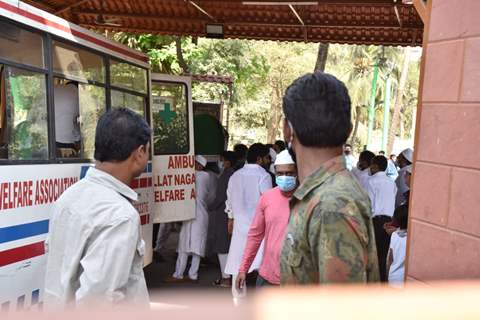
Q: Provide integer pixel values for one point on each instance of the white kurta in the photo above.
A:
(95, 251)
(66, 112)
(398, 247)
(244, 190)
(362, 176)
(193, 235)
(401, 187)
(382, 191)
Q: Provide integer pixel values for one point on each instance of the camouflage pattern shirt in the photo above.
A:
(330, 236)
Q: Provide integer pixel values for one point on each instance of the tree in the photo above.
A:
(282, 70)
(321, 57)
(262, 70)
(399, 99)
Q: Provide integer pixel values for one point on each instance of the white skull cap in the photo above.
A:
(408, 154)
(201, 160)
(284, 157)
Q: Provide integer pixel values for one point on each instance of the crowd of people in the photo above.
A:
(387, 183)
(300, 212)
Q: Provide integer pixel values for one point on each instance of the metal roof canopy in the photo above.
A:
(386, 22)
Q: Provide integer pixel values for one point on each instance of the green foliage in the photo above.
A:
(262, 70)
(170, 137)
(354, 66)
(26, 102)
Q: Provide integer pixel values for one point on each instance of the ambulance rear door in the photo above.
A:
(173, 148)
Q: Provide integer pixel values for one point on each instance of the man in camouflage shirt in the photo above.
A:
(330, 236)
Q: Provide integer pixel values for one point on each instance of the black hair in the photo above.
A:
(381, 153)
(119, 132)
(257, 150)
(269, 145)
(318, 107)
(230, 156)
(281, 145)
(366, 156)
(400, 216)
(348, 145)
(381, 162)
(212, 166)
(240, 150)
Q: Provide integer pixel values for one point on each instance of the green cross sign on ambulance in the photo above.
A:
(165, 108)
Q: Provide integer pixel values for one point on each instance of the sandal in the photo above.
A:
(222, 282)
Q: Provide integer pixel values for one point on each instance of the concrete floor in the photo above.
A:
(181, 293)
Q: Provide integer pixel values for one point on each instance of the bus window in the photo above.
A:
(20, 46)
(127, 76)
(92, 106)
(170, 118)
(130, 101)
(23, 115)
(67, 119)
(77, 64)
(78, 107)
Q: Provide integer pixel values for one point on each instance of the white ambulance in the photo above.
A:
(56, 79)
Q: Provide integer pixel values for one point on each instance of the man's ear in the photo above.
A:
(287, 131)
(140, 151)
(351, 129)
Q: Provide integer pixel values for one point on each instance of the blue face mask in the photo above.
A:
(286, 183)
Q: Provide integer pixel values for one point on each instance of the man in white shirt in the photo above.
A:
(67, 128)
(349, 158)
(361, 171)
(381, 190)
(95, 250)
(404, 159)
(392, 170)
(244, 190)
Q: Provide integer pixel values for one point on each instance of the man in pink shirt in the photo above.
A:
(269, 224)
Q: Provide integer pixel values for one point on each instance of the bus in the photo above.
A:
(56, 80)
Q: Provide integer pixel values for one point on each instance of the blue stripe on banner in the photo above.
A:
(22, 231)
(83, 171)
(35, 297)
(21, 303)
(148, 168)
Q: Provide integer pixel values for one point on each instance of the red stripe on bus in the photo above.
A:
(145, 219)
(22, 253)
(76, 33)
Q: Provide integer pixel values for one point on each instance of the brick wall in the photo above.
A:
(444, 229)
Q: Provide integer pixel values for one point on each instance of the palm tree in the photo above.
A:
(399, 99)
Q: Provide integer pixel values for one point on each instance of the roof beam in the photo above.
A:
(39, 5)
(232, 22)
(370, 39)
(230, 25)
(422, 10)
(193, 3)
(70, 6)
(296, 14)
